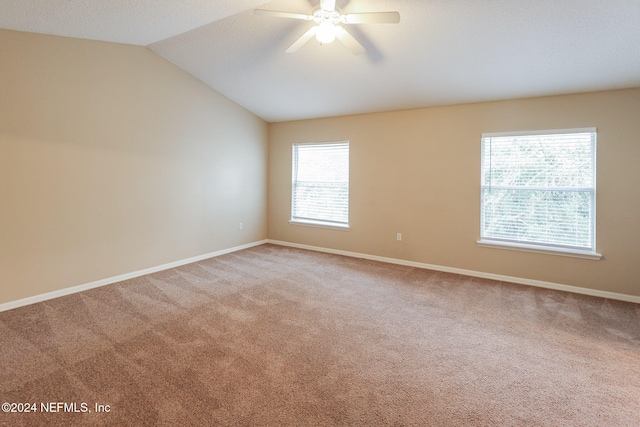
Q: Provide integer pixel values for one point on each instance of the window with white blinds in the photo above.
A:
(538, 190)
(320, 189)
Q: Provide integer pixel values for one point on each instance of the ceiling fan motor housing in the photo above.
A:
(321, 16)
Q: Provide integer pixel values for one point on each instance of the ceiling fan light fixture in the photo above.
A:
(326, 32)
(329, 21)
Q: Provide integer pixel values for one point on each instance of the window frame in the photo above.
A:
(315, 222)
(538, 247)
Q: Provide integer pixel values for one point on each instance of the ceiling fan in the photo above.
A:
(329, 21)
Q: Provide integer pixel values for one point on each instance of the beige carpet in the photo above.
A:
(274, 336)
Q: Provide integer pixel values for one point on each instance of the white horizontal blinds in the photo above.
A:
(321, 182)
(539, 189)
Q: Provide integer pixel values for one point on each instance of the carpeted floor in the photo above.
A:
(275, 336)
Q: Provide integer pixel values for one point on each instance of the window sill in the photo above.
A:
(540, 250)
(320, 224)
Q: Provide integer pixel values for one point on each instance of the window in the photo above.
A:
(538, 191)
(320, 191)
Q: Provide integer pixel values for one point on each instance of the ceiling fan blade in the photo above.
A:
(328, 5)
(371, 18)
(347, 39)
(279, 14)
(302, 40)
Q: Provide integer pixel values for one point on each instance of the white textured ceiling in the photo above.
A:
(139, 22)
(442, 51)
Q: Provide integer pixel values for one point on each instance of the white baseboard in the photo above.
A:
(472, 273)
(79, 288)
(538, 283)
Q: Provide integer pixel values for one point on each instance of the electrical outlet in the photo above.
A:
(399, 236)
(240, 226)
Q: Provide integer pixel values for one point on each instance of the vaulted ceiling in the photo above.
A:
(442, 51)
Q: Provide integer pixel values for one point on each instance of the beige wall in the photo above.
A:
(113, 160)
(418, 172)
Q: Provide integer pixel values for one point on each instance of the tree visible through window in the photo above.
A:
(320, 193)
(539, 189)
